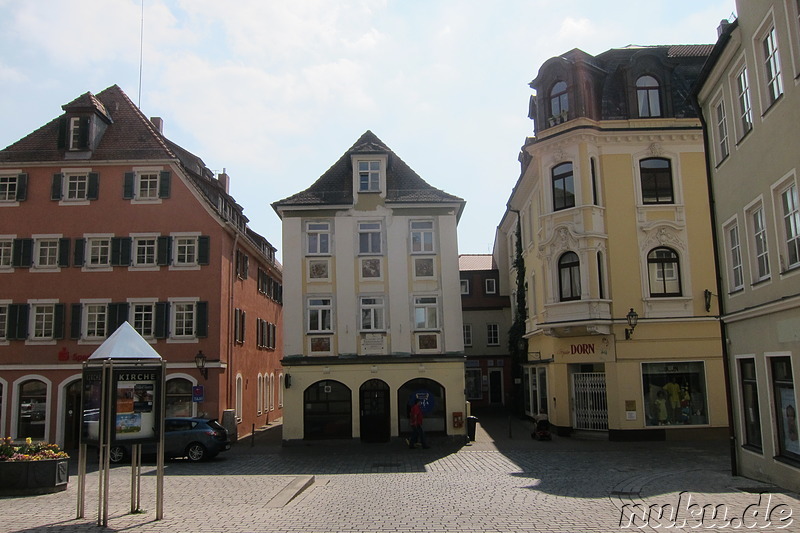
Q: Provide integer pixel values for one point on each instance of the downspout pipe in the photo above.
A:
(718, 277)
(229, 339)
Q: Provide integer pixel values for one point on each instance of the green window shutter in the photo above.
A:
(83, 135)
(164, 252)
(22, 255)
(22, 187)
(121, 251)
(75, 321)
(117, 314)
(58, 321)
(127, 188)
(62, 133)
(164, 184)
(63, 252)
(201, 320)
(203, 249)
(55, 187)
(162, 320)
(80, 246)
(17, 321)
(93, 190)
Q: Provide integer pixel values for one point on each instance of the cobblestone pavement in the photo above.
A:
(503, 482)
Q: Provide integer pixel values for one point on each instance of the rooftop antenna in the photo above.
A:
(141, 47)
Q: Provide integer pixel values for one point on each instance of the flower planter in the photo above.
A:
(20, 478)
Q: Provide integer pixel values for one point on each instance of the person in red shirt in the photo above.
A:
(415, 419)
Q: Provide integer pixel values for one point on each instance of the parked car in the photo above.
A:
(197, 439)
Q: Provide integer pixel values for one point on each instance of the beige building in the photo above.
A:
(750, 100)
(617, 244)
(372, 307)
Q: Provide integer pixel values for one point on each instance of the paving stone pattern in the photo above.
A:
(503, 482)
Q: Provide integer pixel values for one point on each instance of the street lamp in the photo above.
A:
(633, 319)
(200, 361)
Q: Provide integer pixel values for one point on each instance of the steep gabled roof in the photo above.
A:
(335, 186)
(129, 136)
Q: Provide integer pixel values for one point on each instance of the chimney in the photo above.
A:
(721, 28)
(224, 180)
(158, 122)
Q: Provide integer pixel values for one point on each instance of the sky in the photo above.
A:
(274, 92)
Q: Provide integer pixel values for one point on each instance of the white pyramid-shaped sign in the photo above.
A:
(125, 343)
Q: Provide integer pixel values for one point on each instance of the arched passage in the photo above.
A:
(375, 412)
(327, 411)
(434, 410)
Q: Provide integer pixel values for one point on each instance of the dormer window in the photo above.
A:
(74, 133)
(369, 176)
(648, 97)
(559, 100)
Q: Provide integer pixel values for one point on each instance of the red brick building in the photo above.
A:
(104, 220)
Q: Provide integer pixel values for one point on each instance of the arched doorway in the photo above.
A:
(32, 409)
(72, 415)
(327, 411)
(375, 413)
(433, 404)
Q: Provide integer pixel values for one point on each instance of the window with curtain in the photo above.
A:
(664, 272)
(569, 277)
(647, 96)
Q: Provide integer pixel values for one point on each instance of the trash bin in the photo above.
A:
(472, 422)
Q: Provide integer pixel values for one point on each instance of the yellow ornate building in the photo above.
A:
(622, 328)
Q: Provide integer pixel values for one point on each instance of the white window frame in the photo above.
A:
(319, 310)
(787, 240)
(185, 244)
(426, 313)
(491, 286)
(138, 241)
(74, 133)
(91, 311)
(771, 66)
(744, 101)
(135, 315)
(9, 185)
(369, 172)
(423, 237)
(4, 328)
(467, 330)
(94, 257)
(492, 334)
(318, 237)
(375, 308)
(180, 309)
(721, 131)
(7, 252)
(75, 177)
(42, 308)
(38, 242)
(733, 255)
(370, 228)
(464, 287)
(758, 242)
(146, 185)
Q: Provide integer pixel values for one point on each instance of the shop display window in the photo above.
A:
(675, 393)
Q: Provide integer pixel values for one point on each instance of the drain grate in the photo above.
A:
(760, 490)
(386, 465)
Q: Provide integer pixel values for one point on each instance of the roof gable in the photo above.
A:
(335, 186)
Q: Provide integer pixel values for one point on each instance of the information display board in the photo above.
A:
(134, 399)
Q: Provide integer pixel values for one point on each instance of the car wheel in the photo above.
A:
(196, 452)
(116, 454)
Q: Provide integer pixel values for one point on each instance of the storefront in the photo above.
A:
(628, 390)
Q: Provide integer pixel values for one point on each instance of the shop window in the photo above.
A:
(473, 379)
(32, 409)
(751, 431)
(674, 394)
(179, 398)
(785, 408)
